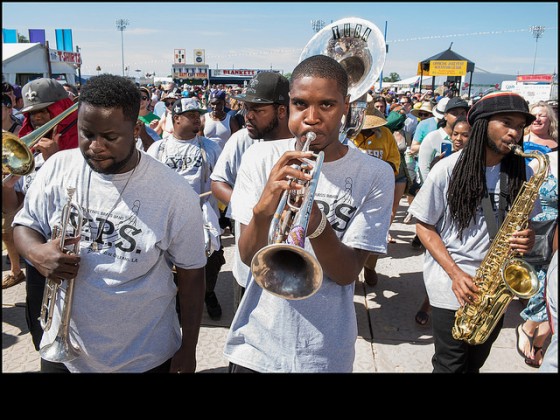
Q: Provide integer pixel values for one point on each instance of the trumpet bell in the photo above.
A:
(287, 271)
(59, 351)
(358, 45)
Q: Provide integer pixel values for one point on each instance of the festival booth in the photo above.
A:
(22, 62)
(446, 63)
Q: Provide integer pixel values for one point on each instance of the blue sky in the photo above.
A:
(495, 36)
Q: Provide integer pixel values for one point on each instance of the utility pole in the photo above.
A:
(121, 26)
(49, 68)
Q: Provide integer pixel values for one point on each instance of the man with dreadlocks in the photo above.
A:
(452, 226)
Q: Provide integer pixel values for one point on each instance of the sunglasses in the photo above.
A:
(168, 104)
(404, 103)
(144, 98)
(424, 114)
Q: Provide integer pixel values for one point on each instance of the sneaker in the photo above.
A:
(213, 306)
(370, 277)
(416, 243)
(11, 279)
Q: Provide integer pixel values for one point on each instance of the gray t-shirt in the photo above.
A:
(226, 170)
(124, 316)
(430, 206)
(186, 158)
(317, 334)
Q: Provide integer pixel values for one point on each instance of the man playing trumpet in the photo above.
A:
(349, 219)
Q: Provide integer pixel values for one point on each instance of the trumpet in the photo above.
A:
(17, 157)
(283, 267)
(61, 350)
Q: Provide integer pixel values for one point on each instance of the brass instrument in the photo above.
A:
(61, 349)
(359, 46)
(17, 158)
(501, 274)
(283, 267)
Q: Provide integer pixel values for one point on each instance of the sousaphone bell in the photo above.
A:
(359, 46)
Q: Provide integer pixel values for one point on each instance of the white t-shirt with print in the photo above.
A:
(185, 157)
(316, 334)
(124, 315)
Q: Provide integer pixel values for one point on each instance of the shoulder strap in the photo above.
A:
(489, 217)
(504, 193)
(487, 207)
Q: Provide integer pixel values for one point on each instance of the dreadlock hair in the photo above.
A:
(324, 67)
(467, 186)
(110, 91)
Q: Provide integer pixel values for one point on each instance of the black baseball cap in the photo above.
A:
(456, 102)
(267, 88)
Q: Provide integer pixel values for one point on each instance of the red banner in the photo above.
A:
(547, 78)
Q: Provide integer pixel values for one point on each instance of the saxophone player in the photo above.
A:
(452, 224)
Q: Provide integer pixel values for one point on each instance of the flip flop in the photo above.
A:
(529, 338)
(390, 239)
(422, 317)
(534, 362)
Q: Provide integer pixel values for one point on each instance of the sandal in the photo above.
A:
(519, 344)
(422, 317)
(390, 239)
(11, 279)
(537, 358)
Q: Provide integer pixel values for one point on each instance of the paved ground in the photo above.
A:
(389, 339)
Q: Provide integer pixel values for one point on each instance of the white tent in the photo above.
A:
(22, 62)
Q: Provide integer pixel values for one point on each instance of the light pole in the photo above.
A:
(317, 25)
(121, 26)
(537, 33)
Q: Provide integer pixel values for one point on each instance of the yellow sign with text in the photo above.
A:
(447, 68)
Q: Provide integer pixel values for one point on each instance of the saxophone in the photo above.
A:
(501, 274)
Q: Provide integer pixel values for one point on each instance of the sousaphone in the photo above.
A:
(359, 46)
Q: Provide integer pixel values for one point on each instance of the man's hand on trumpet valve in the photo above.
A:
(55, 264)
(283, 176)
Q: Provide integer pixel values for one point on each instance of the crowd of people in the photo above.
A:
(222, 158)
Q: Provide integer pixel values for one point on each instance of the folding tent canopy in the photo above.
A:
(446, 63)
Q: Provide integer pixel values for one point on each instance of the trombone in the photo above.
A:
(17, 157)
